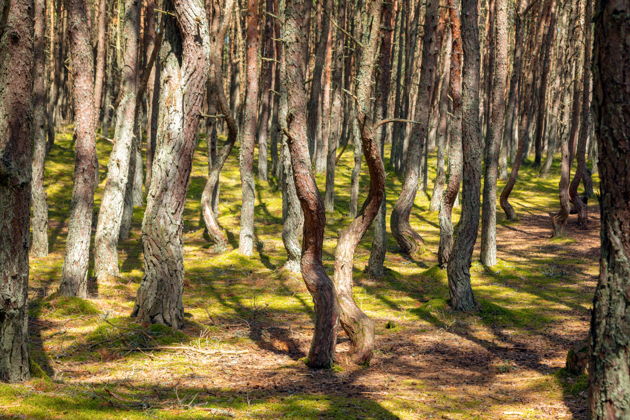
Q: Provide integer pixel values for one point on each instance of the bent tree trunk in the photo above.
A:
(111, 212)
(16, 81)
(317, 281)
(408, 239)
(455, 147)
(186, 41)
(462, 298)
(39, 219)
(355, 323)
(609, 390)
(75, 264)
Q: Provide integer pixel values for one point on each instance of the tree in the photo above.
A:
(16, 91)
(495, 134)
(246, 237)
(75, 265)
(39, 219)
(185, 57)
(317, 281)
(461, 293)
(407, 238)
(609, 392)
(112, 205)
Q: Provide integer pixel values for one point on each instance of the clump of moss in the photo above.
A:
(59, 306)
(493, 314)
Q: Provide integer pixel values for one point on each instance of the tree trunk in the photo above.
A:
(609, 391)
(494, 135)
(408, 239)
(75, 265)
(462, 298)
(16, 94)
(317, 281)
(39, 218)
(101, 48)
(112, 205)
(248, 186)
(455, 147)
(186, 41)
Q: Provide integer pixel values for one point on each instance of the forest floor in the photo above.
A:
(249, 322)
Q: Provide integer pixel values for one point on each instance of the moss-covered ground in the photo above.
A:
(241, 354)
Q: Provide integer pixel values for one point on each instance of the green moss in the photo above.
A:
(59, 306)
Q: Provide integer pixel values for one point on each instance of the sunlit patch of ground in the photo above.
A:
(248, 327)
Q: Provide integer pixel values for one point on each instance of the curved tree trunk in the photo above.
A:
(186, 41)
(494, 135)
(75, 265)
(39, 218)
(462, 298)
(248, 185)
(408, 239)
(317, 281)
(609, 376)
(111, 211)
(455, 147)
(16, 94)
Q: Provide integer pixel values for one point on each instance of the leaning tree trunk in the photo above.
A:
(494, 135)
(39, 218)
(355, 323)
(317, 281)
(462, 298)
(455, 147)
(186, 41)
(16, 91)
(75, 265)
(248, 186)
(609, 391)
(113, 202)
(408, 239)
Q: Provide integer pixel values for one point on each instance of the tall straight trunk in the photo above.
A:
(39, 218)
(455, 147)
(462, 298)
(581, 170)
(248, 186)
(407, 238)
(354, 321)
(101, 47)
(16, 94)
(494, 135)
(75, 265)
(266, 94)
(111, 211)
(331, 159)
(609, 376)
(317, 281)
(185, 55)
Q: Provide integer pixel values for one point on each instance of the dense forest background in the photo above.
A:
(314, 209)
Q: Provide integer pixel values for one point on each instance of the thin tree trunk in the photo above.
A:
(609, 376)
(408, 239)
(248, 186)
(159, 298)
(39, 218)
(75, 265)
(101, 47)
(494, 135)
(112, 205)
(462, 298)
(317, 281)
(16, 111)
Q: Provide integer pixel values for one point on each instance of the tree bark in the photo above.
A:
(462, 298)
(494, 135)
(248, 186)
(408, 239)
(112, 205)
(317, 281)
(75, 265)
(39, 218)
(186, 41)
(101, 48)
(609, 391)
(16, 91)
